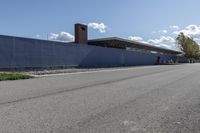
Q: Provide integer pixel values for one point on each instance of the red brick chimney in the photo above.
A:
(81, 35)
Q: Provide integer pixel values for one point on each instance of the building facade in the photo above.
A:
(21, 53)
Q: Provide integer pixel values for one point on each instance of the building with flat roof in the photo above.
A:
(19, 52)
(115, 42)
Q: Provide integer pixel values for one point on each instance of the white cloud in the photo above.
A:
(169, 41)
(197, 39)
(62, 36)
(164, 31)
(175, 27)
(135, 38)
(98, 26)
(164, 41)
(160, 32)
(190, 30)
(38, 36)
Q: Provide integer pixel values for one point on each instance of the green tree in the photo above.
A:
(189, 47)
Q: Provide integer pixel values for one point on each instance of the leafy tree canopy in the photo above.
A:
(188, 46)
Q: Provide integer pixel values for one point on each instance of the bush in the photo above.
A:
(13, 76)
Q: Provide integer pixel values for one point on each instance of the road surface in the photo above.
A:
(150, 99)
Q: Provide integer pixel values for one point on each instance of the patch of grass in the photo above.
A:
(13, 76)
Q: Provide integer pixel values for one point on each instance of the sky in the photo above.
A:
(157, 22)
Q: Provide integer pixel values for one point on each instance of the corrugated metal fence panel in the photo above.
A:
(18, 52)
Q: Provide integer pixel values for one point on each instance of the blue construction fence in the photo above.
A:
(16, 52)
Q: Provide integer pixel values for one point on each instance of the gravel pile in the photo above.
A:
(57, 71)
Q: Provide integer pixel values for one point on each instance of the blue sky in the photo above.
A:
(153, 21)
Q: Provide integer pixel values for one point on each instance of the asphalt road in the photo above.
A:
(150, 99)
